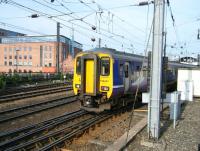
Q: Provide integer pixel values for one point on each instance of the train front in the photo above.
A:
(93, 80)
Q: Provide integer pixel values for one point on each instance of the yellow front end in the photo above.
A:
(105, 76)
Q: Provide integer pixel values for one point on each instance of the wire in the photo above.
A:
(119, 18)
(147, 20)
(68, 15)
(21, 28)
(137, 90)
(82, 2)
(108, 29)
(174, 23)
(49, 17)
(3, 18)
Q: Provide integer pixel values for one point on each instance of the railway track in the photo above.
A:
(22, 95)
(31, 88)
(49, 134)
(10, 114)
(12, 139)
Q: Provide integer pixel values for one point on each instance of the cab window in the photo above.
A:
(78, 65)
(105, 66)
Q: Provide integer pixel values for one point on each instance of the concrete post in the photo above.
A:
(156, 70)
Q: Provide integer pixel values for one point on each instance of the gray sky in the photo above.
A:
(124, 28)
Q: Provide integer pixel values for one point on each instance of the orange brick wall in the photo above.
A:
(31, 59)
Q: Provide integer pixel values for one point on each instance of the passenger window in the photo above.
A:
(105, 66)
(126, 71)
(121, 70)
(78, 65)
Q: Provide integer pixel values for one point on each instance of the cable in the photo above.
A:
(21, 28)
(122, 20)
(136, 94)
(147, 20)
(173, 22)
(82, 2)
(68, 15)
(49, 17)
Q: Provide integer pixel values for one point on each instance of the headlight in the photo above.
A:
(77, 85)
(104, 88)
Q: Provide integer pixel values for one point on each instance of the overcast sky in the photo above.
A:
(122, 28)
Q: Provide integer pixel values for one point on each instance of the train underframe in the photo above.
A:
(101, 103)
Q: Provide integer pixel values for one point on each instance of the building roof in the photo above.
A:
(30, 39)
(4, 32)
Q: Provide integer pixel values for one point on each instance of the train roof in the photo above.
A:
(128, 56)
(118, 54)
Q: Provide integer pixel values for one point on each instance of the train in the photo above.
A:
(102, 76)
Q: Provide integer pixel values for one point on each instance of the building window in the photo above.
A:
(15, 56)
(50, 64)
(45, 55)
(30, 63)
(20, 56)
(20, 63)
(10, 70)
(50, 56)
(25, 57)
(30, 48)
(10, 57)
(10, 63)
(5, 57)
(45, 48)
(5, 49)
(15, 62)
(5, 63)
(10, 49)
(24, 48)
(25, 71)
(30, 57)
(50, 48)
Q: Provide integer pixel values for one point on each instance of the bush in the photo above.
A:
(2, 82)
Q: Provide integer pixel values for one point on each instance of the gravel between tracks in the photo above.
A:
(185, 137)
(104, 134)
(41, 116)
(33, 100)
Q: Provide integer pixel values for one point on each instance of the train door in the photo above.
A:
(126, 77)
(89, 74)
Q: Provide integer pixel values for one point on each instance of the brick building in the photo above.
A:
(36, 53)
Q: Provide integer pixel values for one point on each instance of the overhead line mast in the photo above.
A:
(156, 70)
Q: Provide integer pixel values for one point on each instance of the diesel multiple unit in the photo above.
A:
(102, 76)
